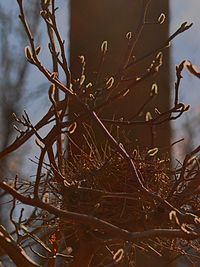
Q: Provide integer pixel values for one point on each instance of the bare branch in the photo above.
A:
(13, 250)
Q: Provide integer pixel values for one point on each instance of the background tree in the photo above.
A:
(14, 70)
(112, 21)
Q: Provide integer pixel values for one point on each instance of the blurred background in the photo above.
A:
(22, 87)
(187, 47)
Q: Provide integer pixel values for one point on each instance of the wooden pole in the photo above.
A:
(92, 22)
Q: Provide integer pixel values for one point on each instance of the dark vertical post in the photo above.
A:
(92, 22)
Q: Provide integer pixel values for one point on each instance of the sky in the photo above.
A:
(63, 25)
(186, 46)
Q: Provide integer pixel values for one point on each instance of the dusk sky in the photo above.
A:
(186, 46)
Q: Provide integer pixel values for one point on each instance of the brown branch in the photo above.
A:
(96, 223)
(184, 27)
(22, 139)
(154, 121)
(54, 97)
(137, 33)
(13, 250)
(183, 170)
